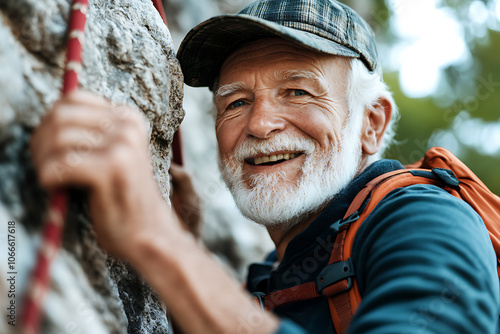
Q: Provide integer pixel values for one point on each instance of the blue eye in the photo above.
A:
(237, 104)
(299, 92)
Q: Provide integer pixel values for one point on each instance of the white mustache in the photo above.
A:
(252, 146)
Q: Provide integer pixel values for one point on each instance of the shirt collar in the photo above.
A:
(337, 208)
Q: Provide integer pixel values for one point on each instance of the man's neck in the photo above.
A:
(281, 237)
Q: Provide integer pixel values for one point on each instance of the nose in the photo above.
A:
(264, 120)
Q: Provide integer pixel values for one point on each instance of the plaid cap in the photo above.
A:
(326, 26)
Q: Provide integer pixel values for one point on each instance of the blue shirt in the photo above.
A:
(423, 259)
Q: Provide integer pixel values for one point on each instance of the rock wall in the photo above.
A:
(234, 239)
(128, 58)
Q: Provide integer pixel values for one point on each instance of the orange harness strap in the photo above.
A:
(337, 281)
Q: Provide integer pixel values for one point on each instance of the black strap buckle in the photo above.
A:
(334, 273)
(445, 176)
(260, 297)
(343, 223)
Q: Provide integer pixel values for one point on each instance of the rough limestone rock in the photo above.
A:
(129, 59)
(235, 240)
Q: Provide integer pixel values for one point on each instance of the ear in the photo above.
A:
(374, 126)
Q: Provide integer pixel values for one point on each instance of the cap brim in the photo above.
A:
(207, 45)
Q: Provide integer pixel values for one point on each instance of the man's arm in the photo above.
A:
(201, 297)
(425, 264)
(105, 150)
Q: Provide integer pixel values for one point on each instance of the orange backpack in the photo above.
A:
(337, 281)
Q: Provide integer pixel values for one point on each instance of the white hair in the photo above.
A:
(272, 199)
(364, 90)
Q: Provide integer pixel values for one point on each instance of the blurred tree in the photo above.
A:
(462, 114)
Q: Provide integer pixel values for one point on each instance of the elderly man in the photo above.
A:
(302, 118)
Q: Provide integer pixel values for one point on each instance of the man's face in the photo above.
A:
(284, 145)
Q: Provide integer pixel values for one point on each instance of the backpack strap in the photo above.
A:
(344, 305)
(327, 285)
(337, 280)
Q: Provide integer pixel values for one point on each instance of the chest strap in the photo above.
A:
(332, 281)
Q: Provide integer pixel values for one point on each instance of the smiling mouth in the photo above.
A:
(273, 159)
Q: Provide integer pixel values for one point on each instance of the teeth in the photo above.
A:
(274, 157)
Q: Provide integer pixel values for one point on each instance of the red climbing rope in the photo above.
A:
(54, 224)
(159, 7)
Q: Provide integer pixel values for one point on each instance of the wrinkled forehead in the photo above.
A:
(263, 48)
(271, 51)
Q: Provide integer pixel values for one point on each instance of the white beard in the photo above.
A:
(273, 202)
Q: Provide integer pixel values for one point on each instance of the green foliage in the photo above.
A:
(488, 79)
(471, 87)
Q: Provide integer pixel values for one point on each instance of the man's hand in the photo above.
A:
(185, 200)
(85, 141)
